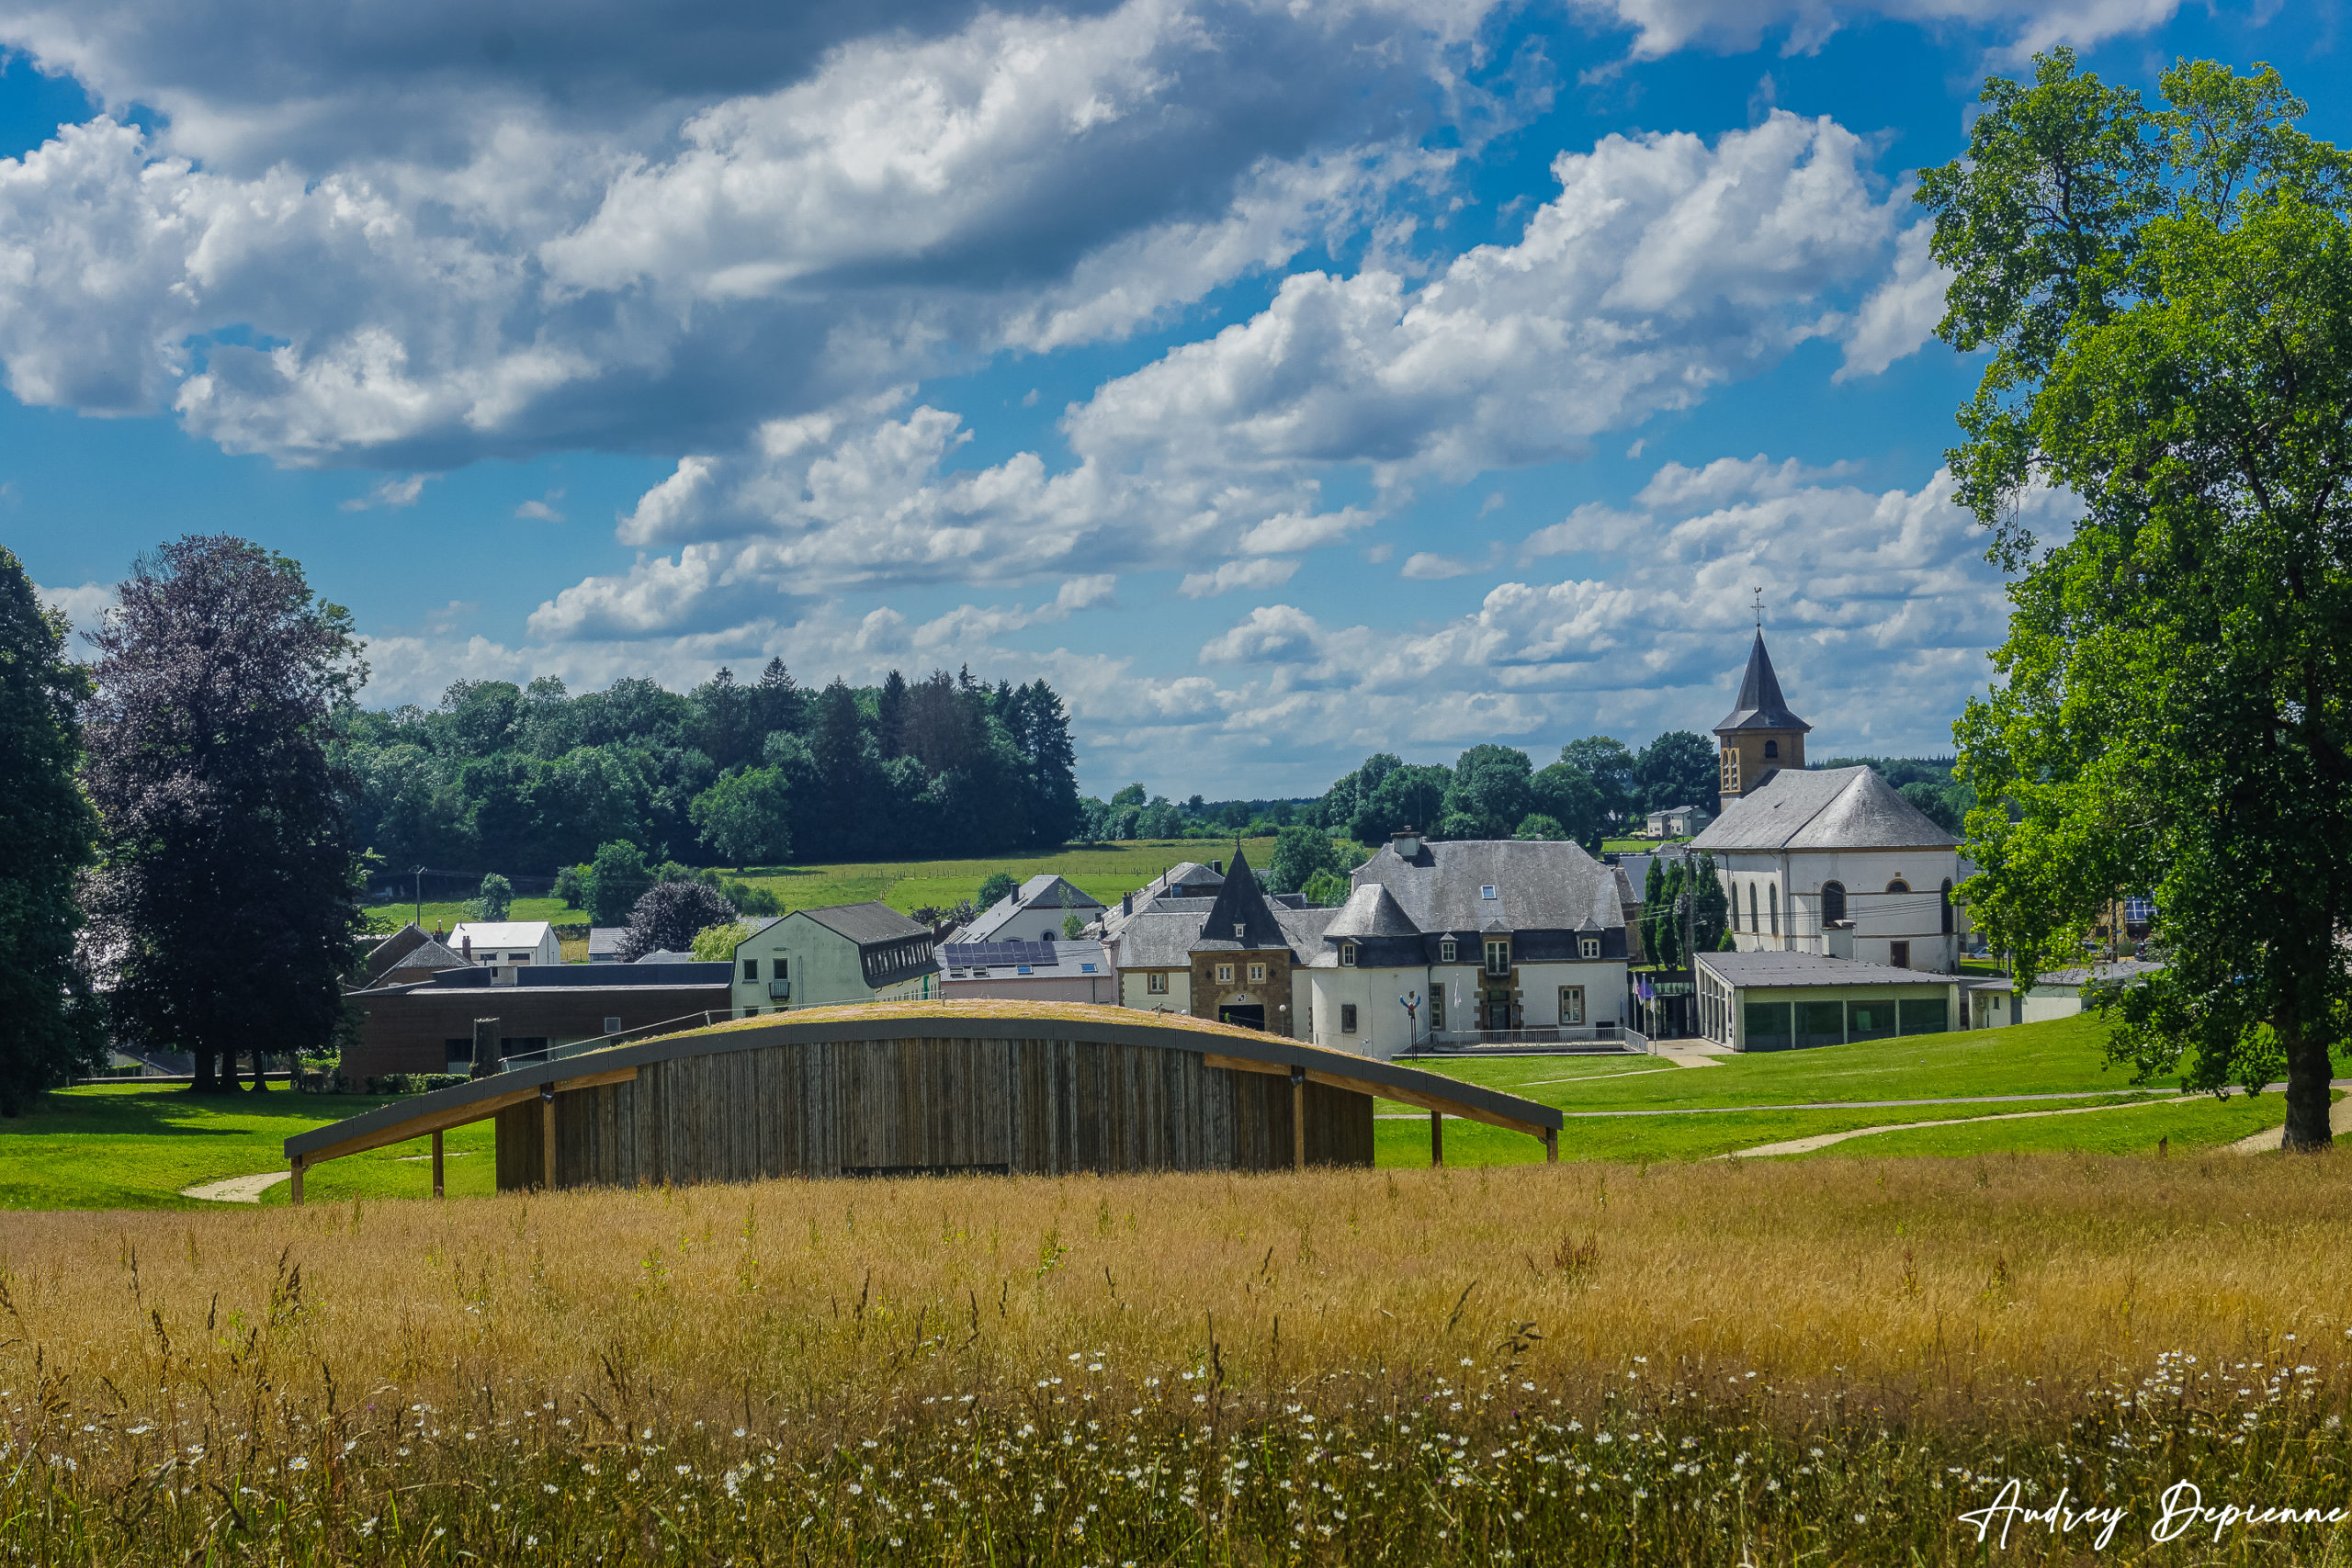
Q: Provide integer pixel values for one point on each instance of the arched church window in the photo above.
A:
(1751, 909)
(1771, 749)
(1833, 902)
(1775, 891)
(1945, 900)
(1898, 885)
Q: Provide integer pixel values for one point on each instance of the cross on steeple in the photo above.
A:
(1759, 610)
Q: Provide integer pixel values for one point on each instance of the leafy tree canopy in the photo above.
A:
(2166, 294)
(49, 1028)
(669, 917)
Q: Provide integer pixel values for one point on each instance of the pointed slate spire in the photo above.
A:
(1761, 704)
(1240, 918)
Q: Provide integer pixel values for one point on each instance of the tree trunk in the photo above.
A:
(260, 1064)
(205, 1082)
(2308, 1072)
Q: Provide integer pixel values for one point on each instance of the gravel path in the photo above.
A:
(237, 1189)
(1823, 1140)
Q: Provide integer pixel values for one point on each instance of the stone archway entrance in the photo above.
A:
(1245, 1015)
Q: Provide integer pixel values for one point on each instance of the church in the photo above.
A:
(1833, 861)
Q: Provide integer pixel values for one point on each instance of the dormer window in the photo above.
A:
(1590, 946)
(1347, 956)
(1445, 951)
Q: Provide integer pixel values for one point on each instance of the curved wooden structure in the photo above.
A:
(931, 1090)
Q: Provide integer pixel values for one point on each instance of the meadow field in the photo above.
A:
(1821, 1362)
(1104, 870)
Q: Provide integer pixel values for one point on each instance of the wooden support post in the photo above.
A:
(1297, 1119)
(297, 1165)
(547, 1136)
(485, 1047)
(437, 1188)
(1437, 1140)
(1551, 1145)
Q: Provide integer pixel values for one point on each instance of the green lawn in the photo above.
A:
(2189, 1124)
(446, 913)
(1647, 1139)
(2060, 1056)
(1106, 870)
(123, 1146)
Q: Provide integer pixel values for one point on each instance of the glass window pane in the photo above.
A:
(1821, 1023)
(1924, 1015)
(1870, 1020)
(1767, 1026)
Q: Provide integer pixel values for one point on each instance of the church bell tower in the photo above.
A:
(1761, 736)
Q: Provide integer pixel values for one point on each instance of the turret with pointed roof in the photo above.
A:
(1240, 918)
(1760, 736)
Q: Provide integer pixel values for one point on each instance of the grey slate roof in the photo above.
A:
(1372, 910)
(408, 947)
(1543, 885)
(1038, 893)
(867, 923)
(604, 943)
(667, 955)
(1760, 706)
(1159, 939)
(1240, 920)
(1768, 968)
(1824, 808)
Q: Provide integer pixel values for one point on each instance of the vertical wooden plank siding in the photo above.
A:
(930, 1104)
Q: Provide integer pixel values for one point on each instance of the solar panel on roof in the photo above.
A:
(984, 955)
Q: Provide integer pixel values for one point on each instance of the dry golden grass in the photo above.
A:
(1984, 1306)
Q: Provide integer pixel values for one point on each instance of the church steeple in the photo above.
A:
(1760, 736)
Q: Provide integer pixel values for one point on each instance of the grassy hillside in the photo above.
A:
(1105, 871)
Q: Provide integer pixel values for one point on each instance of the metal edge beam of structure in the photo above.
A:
(486, 1097)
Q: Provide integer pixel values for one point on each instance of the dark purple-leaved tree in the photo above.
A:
(670, 915)
(224, 905)
(47, 1028)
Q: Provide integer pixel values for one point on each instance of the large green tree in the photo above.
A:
(224, 907)
(2166, 294)
(47, 1028)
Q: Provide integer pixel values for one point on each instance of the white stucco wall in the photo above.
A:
(1381, 1026)
(2046, 1003)
(1880, 919)
(1134, 990)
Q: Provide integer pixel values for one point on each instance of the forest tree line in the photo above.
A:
(526, 777)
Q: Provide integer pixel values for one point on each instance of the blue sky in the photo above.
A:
(1281, 386)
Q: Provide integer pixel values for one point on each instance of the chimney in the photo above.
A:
(1837, 939)
(465, 944)
(1217, 866)
(1406, 841)
(1126, 902)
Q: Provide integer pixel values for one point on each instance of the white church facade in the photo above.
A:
(1834, 861)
